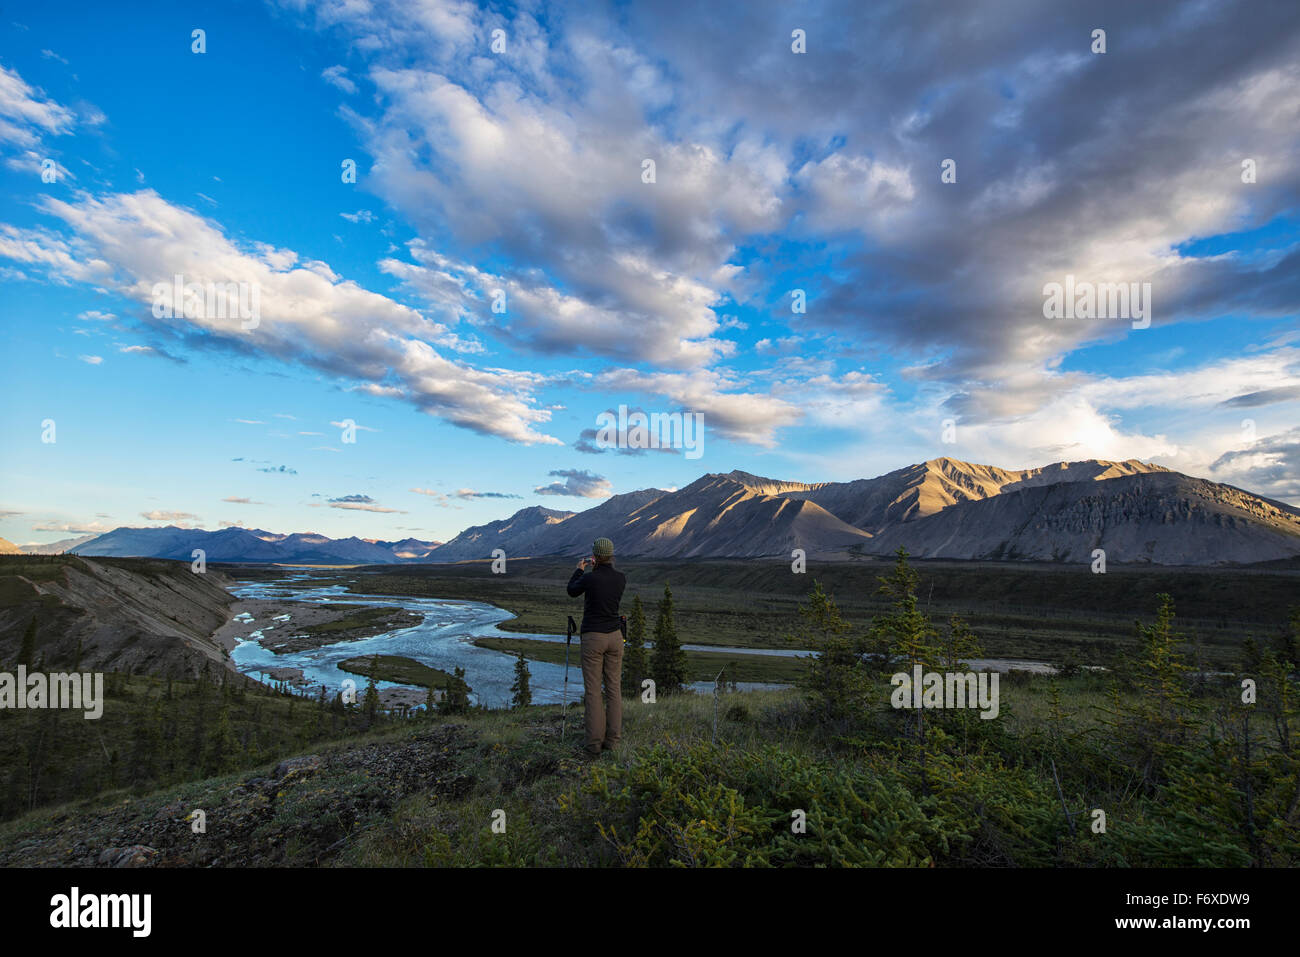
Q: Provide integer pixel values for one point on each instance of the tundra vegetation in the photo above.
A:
(1185, 765)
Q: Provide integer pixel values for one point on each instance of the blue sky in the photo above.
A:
(521, 170)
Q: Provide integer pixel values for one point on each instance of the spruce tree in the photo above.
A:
(837, 681)
(668, 665)
(521, 691)
(223, 752)
(959, 646)
(322, 714)
(636, 666)
(27, 654)
(148, 742)
(455, 696)
(1057, 717)
(1278, 698)
(1162, 713)
(905, 636)
(1289, 649)
(1152, 724)
(199, 737)
(462, 690)
(167, 753)
(371, 705)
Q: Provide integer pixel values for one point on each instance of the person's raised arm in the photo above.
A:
(577, 581)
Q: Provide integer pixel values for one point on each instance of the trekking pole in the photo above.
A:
(715, 705)
(564, 723)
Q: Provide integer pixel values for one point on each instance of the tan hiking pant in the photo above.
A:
(602, 658)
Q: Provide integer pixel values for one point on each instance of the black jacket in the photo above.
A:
(603, 587)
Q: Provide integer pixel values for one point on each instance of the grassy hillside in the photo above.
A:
(427, 791)
(423, 791)
(142, 616)
(153, 732)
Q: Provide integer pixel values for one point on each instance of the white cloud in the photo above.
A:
(743, 416)
(1271, 462)
(338, 76)
(75, 528)
(309, 314)
(160, 515)
(855, 192)
(673, 332)
(26, 115)
(577, 483)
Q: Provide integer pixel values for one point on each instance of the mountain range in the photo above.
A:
(49, 548)
(252, 545)
(943, 508)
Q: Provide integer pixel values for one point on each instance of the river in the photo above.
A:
(444, 639)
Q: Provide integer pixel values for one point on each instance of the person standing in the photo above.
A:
(602, 645)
